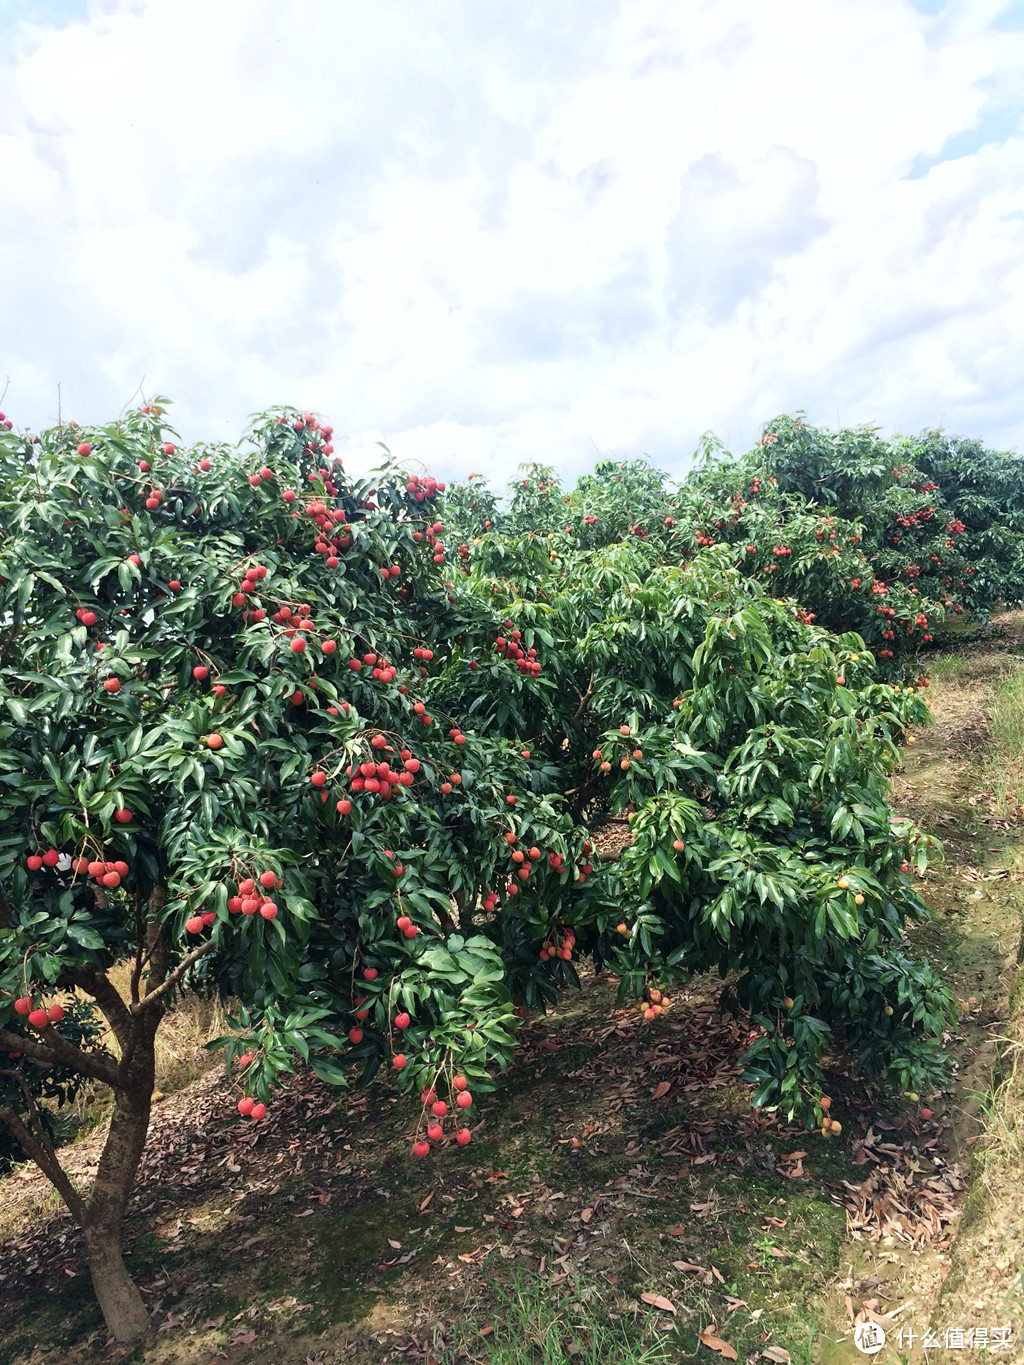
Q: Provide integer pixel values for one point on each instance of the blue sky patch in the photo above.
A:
(55, 13)
(992, 128)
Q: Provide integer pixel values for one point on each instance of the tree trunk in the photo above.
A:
(120, 1300)
(123, 1309)
(101, 1215)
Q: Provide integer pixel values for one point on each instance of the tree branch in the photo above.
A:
(38, 1127)
(105, 993)
(157, 951)
(585, 696)
(140, 945)
(59, 1052)
(46, 1161)
(9, 640)
(172, 980)
(447, 923)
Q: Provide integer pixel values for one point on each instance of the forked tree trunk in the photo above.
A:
(100, 1215)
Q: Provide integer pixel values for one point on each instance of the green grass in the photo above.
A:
(990, 1227)
(1002, 1108)
(945, 667)
(1008, 738)
(532, 1324)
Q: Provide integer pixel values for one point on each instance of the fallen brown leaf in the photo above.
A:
(727, 1352)
(659, 1301)
(661, 1090)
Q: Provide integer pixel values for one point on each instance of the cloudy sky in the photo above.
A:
(493, 233)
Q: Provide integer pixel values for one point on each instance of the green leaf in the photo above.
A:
(85, 937)
(328, 1071)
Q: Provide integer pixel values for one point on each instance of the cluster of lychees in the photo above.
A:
(523, 860)
(654, 1002)
(250, 899)
(628, 756)
(35, 861)
(374, 778)
(423, 490)
(432, 535)
(249, 584)
(380, 669)
(440, 1110)
(248, 1106)
(38, 1015)
(558, 945)
(525, 660)
(104, 873)
(108, 874)
(333, 535)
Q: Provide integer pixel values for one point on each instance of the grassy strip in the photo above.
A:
(1008, 740)
(985, 1285)
(529, 1327)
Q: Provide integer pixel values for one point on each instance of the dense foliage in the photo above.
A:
(885, 538)
(262, 732)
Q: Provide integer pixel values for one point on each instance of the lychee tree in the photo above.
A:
(764, 847)
(752, 751)
(883, 537)
(223, 759)
(261, 731)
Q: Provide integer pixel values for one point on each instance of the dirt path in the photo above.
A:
(619, 1170)
(972, 1283)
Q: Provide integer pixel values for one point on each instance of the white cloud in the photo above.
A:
(487, 235)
